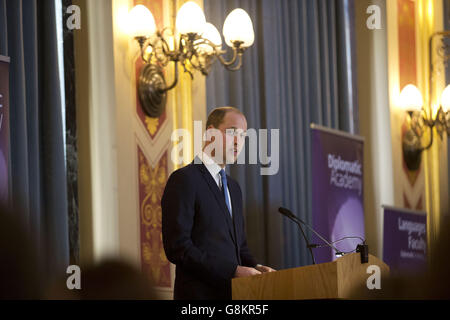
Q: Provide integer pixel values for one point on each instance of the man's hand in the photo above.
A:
(245, 272)
(263, 269)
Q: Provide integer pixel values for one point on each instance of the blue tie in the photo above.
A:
(224, 189)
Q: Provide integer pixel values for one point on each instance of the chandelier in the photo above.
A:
(194, 43)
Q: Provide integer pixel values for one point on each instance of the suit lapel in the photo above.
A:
(219, 197)
(235, 206)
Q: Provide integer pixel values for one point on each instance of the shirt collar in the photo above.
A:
(210, 164)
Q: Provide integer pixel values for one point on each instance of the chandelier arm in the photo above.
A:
(431, 139)
(417, 131)
(142, 41)
(196, 66)
(201, 41)
(186, 69)
(239, 64)
(165, 47)
(175, 81)
(230, 62)
(159, 52)
(440, 116)
(181, 55)
(428, 118)
(173, 55)
(143, 58)
(201, 66)
(161, 57)
(208, 42)
(440, 121)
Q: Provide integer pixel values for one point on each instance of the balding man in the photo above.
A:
(202, 215)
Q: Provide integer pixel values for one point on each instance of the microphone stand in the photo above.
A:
(299, 221)
(308, 245)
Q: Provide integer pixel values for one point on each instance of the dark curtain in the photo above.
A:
(28, 36)
(299, 71)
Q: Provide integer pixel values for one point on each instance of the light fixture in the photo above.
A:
(141, 21)
(411, 99)
(420, 114)
(194, 43)
(419, 121)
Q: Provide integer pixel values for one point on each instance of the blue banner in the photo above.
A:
(404, 240)
(337, 190)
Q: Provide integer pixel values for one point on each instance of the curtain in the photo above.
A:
(300, 70)
(39, 190)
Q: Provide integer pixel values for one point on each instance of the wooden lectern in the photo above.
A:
(332, 280)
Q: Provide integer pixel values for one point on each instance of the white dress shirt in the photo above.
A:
(214, 170)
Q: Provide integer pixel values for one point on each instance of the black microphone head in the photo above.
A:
(284, 211)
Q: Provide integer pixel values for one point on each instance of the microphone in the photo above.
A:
(290, 215)
(285, 212)
(363, 249)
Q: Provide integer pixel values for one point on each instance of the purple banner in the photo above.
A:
(405, 240)
(4, 129)
(337, 190)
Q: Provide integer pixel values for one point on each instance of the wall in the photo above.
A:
(410, 25)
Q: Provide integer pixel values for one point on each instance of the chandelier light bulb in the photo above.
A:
(411, 98)
(238, 27)
(141, 22)
(210, 33)
(190, 19)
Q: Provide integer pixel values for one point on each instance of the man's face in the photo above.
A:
(233, 129)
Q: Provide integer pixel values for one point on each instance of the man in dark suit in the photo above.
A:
(202, 220)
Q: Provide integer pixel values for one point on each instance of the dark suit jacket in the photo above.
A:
(199, 235)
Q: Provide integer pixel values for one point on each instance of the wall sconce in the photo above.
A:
(419, 121)
(194, 43)
(420, 118)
